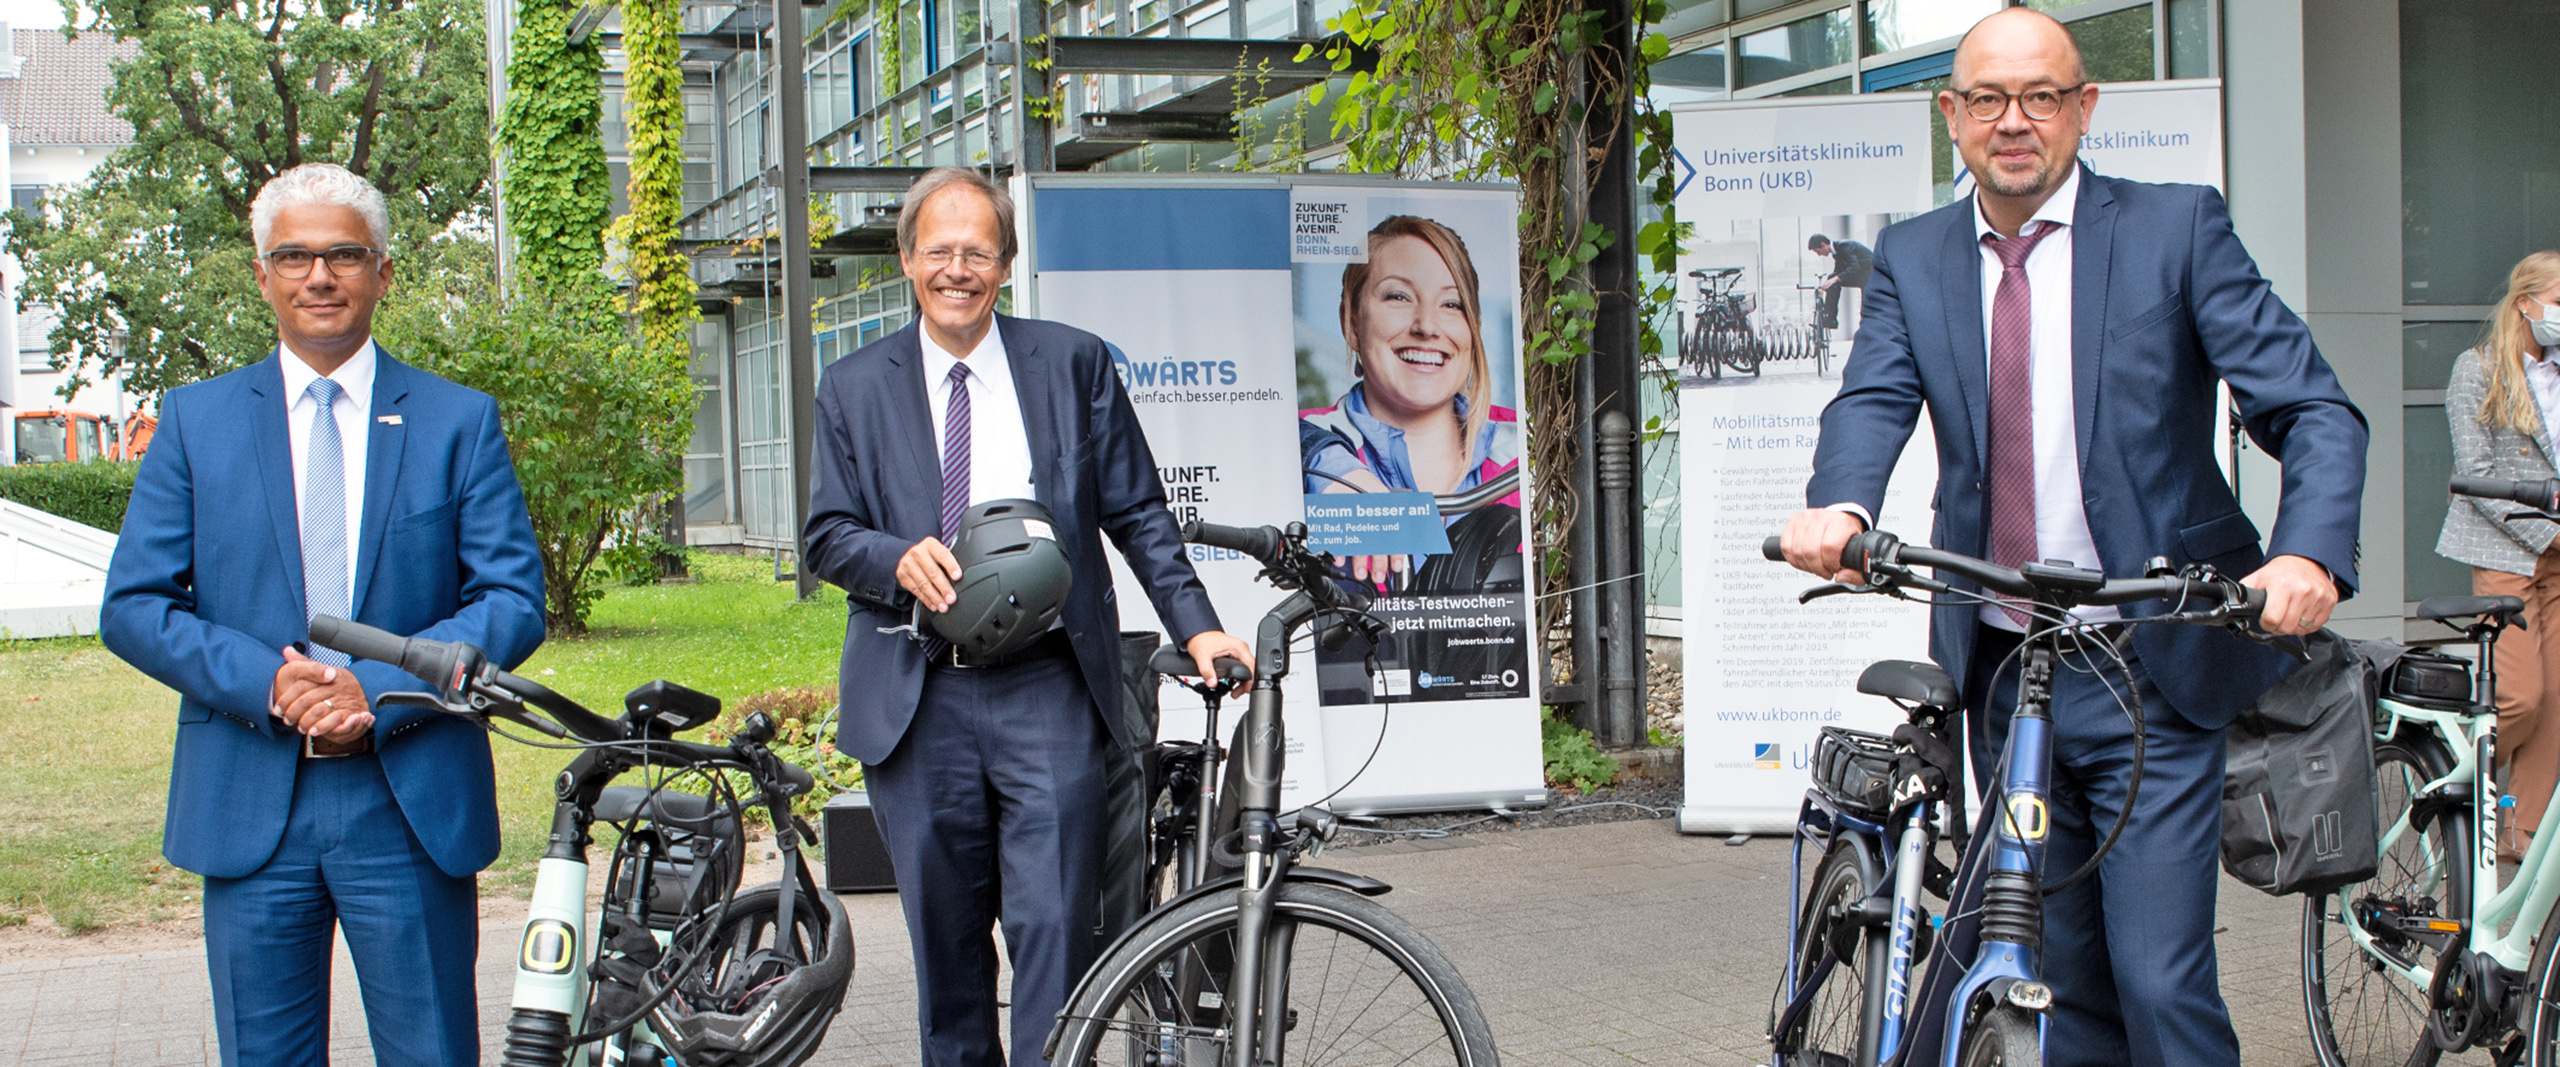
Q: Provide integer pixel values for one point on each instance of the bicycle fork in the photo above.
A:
(1258, 1003)
(2005, 963)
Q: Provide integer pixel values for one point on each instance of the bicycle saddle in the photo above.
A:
(1902, 679)
(2505, 608)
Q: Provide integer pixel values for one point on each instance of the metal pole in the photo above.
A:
(499, 19)
(1615, 377)
(1587, 534)
(791, 86)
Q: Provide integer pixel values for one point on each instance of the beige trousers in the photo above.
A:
(2528, 692)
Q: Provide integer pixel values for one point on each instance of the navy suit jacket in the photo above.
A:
(878, 491)
(2164, 301)
(206, 589)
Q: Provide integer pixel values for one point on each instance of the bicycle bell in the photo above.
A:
(1014, 578)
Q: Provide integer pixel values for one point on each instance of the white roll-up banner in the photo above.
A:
(1342, 352)
(1766, 319)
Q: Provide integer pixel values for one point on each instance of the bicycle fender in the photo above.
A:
(1343, 880)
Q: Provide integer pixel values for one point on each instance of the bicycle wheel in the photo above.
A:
(1363, 987)
(1833, 1028)
(2539, 1018)
(2361, 1010)
(2004, 1037)
(1746, 350)
(1694, 353)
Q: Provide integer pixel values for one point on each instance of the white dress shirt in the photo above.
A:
(354, 412)
(999, 447)
(2062, 520)
(2542, 375)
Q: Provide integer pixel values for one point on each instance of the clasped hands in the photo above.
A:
(2300, 593)
(319, 700)
(929, 568)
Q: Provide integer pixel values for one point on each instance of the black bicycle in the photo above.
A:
(1276, 962)
(676, 965)
(1719, 334)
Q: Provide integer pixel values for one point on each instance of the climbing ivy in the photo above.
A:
(558, 192)
(653, 112)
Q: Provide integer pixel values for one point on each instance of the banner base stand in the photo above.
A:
(1705, 820)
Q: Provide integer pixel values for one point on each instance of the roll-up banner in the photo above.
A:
(1344, 353)
(1787, 198)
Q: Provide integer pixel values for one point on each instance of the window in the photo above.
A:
(2116, 46)
(26, 198)
(1690, 76)
(1899, 24)
(1795, 48)
(2479, 145)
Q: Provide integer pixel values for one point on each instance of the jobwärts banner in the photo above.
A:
(1343, 353)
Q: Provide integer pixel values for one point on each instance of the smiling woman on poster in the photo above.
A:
(1419, 415)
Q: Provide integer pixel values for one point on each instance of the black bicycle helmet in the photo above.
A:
(1014, 578)
(757, 996)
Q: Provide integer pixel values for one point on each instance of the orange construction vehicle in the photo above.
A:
(58, 435)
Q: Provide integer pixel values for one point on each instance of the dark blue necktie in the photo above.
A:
(955, 474)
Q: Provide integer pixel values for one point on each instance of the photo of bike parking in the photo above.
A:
(1279, 533)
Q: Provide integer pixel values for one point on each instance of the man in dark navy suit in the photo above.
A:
(2065, 331)
(327, 479)
(988, 778)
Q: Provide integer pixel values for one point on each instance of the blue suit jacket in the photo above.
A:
(2164, 301)
(878, 491)
(206, 589)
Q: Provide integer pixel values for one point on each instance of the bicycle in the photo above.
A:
(1821, 331)
(2431, 956)
(1845, 996)
(1720, 336)
(1278, 962)
(679, 966)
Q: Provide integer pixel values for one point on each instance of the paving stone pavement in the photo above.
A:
(1611, 944)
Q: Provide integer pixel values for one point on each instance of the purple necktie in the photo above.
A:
(955, 474)
(2011, 479)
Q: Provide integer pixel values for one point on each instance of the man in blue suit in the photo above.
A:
(328, 479)
(2064, 331)
(988, 778)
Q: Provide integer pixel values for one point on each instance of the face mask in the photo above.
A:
(2546, 330)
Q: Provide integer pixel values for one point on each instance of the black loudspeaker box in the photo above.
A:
(857, 860)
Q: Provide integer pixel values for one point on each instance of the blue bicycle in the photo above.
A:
(1879, 804)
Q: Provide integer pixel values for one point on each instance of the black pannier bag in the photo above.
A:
(2298, 807)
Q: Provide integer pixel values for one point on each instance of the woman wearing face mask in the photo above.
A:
(2504, 401)
(1420, 417)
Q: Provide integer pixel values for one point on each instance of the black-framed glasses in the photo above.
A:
(345, 261)
(975, 258)
(1987, 105)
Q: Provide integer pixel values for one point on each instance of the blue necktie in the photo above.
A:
(324, 516)
(955, 474)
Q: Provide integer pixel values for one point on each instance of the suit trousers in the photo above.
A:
(348, 860)
(2128, 950)
(2528, 693)
(993, 809)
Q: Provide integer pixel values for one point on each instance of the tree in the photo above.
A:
(223, 95)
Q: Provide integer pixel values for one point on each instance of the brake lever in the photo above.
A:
(2532, 513)
(1835, 589)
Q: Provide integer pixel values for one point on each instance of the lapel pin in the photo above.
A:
(387, 420)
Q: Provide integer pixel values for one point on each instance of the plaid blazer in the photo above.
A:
(2475, 531)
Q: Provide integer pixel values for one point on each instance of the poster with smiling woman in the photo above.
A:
(1409, 437)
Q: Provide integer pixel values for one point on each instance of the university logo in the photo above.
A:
(1764, 757)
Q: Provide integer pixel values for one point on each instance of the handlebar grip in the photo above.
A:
(2543, 494)
(1233, 670)
(1260, 542)
(439, 662)
(796, 779)
(1769, 550)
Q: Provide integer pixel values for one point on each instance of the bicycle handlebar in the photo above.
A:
(2544, 494)
(2062, 586)
(1260, 542)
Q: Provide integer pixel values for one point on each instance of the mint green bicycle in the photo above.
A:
(2432, 955)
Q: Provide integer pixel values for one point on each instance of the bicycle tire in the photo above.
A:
(2003, 1037)
(1381, 992)
(2539, 1018)
(2358, 1015)
(1694, 353)
(1833, 1028)
(1746, 351)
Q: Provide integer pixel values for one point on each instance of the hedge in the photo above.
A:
(91, 493)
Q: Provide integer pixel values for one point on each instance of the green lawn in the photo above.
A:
(84, 739)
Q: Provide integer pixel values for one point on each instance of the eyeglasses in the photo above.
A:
(345, 261)
(1987, 105)
(974, 259)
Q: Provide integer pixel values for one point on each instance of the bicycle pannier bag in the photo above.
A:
(2428, 677)
(2298, 809)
